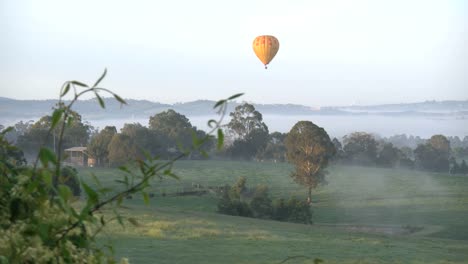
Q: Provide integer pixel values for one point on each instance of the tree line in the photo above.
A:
(247, 137)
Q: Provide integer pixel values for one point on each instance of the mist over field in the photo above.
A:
(337, 126)
(422, 119)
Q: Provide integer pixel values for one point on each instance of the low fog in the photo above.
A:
(336, 126)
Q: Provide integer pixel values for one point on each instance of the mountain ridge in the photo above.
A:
(89, 108)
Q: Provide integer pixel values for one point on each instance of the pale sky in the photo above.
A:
(331, 52)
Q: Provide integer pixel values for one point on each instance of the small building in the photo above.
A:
(76, 156)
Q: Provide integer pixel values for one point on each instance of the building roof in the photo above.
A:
(77, 149)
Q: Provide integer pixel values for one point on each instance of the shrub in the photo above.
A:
(280, 210)
(261, 203)
(233, 206)
(293, 210)
(299, 211)
(69, 177)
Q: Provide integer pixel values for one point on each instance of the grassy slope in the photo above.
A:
(187, 229)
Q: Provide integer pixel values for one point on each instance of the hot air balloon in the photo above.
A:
(265, 47)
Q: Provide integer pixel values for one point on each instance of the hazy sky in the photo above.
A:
(331, 52)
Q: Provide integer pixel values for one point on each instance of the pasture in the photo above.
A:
(363, 215)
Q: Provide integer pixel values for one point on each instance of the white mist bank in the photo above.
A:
(337, 126)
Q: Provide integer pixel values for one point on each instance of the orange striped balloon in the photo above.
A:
(265, 47)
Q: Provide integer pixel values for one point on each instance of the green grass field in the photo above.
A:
(363, 215)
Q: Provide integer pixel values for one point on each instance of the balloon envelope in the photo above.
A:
(265, 47)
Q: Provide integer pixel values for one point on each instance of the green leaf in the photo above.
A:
(93, 196)
(73, 212)
(118, 98)
(220, 102)
(100, 78)
(32, 186)
(47, 178)
(64, 192)
(220, 138)
(46, 155)
(79, 83)
(96, 180)
(171, 174)
(100, 100)
(44, 231)
(85, 212)
(119, 218)
(124, 169)
(318, 261)
(204, 153)
(65, 89)
(195, 140)
(145, 198)
(102, 220)
(56, 116)
(70, 119)
(119, 200)
(133, 221)
(235, 96)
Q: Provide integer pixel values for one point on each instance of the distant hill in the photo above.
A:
(12, 109)
(427, 106)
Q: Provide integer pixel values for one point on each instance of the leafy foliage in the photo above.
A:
(360, 148)
(292, 210)
(235, 201)
(249, 131)
(69, 178)
(121, 150)
(39, 134)
(431, 159)
(309, 149)
(39, 222)
(175, 134)
(99, 145)
(274, 149)
(388, 156)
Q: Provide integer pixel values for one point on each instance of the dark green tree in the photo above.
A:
(10, 156)
(430, 159)
(339, 149)
(244, 120)
(360, 148)
(144, 138)
(99, 145)
(309, 149)
(406, 158)
(274, 149)
(388, 156)
(174, 127)
(121, 150)
(441, 144)
(249, 131)
(433, 155)
(38, 134)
